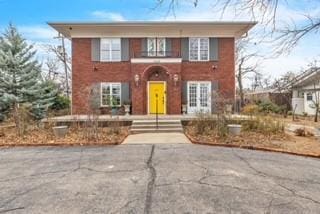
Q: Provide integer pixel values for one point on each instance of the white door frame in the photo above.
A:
(198, 95)
(165, 95)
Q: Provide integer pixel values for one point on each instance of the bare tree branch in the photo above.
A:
(266, 11)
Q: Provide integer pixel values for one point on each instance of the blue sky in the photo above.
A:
(31, 16)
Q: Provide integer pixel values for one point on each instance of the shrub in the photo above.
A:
(265, 125)
(302, 132)
(60, 103)
(269, 107)
(206, 124)
(250, 109)
(290, 112)
(2, 117)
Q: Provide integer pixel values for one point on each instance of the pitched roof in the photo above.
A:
(307, 77)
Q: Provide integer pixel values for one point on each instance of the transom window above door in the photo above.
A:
(199, 49)
(156, 46)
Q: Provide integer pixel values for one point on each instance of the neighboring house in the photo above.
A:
(150, 63)
(306, 92)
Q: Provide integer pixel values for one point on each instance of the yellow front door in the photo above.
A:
(157, 97)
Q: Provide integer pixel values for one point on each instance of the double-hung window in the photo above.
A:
(199, 49)
(110, 94)
(110, 49)
(309, 97)
(156, 47)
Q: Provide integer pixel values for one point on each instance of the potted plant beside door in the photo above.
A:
(184, 108)
(127, 105)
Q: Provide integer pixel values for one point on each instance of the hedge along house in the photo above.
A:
(157, 66)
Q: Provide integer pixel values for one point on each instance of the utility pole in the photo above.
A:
(63, 54)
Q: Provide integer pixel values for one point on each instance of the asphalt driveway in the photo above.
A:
(166, 178)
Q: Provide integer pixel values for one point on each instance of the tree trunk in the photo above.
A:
(239, 79)
(16, 117)
(316, 115)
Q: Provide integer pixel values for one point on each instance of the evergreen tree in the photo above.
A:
(20, 77)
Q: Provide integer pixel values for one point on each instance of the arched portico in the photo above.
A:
(155, 90)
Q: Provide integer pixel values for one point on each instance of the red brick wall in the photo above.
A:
(224, 72)
(85, 73)
(139, 93)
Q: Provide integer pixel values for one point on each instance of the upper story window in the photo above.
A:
(156, 46)
(110, 49)
(110, 94)
(199, 49)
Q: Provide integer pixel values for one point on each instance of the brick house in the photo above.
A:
(157, 66)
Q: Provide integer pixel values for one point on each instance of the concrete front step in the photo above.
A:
(150, 126)
(154, 130)
(154, 122)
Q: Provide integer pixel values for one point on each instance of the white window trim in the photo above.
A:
(198, 94)
(110, 51)
(309, 94)
(109, 83)
(199, 58)
(165, 45)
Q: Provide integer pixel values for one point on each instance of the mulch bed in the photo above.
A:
(76, 136)
(303, 146)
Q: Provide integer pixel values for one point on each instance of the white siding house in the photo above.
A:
(306, 92)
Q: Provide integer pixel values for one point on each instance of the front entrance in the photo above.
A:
(199, 97)
(156, 97)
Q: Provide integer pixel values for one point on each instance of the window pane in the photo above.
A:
(116, 89)
(161, 46)
(116, 99)
(193, 95)
(105, 100)
(108, 47)
(116, 44)
(105, 55)
(193, 49)
(204, 94)
(111, 94)
(116, 96)
(151, 46)
(105, 44)
(204, 47)
(105, 89)
(116, 55)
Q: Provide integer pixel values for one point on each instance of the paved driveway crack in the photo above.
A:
(274, 178)
(11, 210)
(152, 178)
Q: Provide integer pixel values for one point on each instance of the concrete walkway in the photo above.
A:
(156, 138)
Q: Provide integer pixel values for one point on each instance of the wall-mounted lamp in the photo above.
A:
(137, 79)
(157, 73)
(214, 67)
(175, 79)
